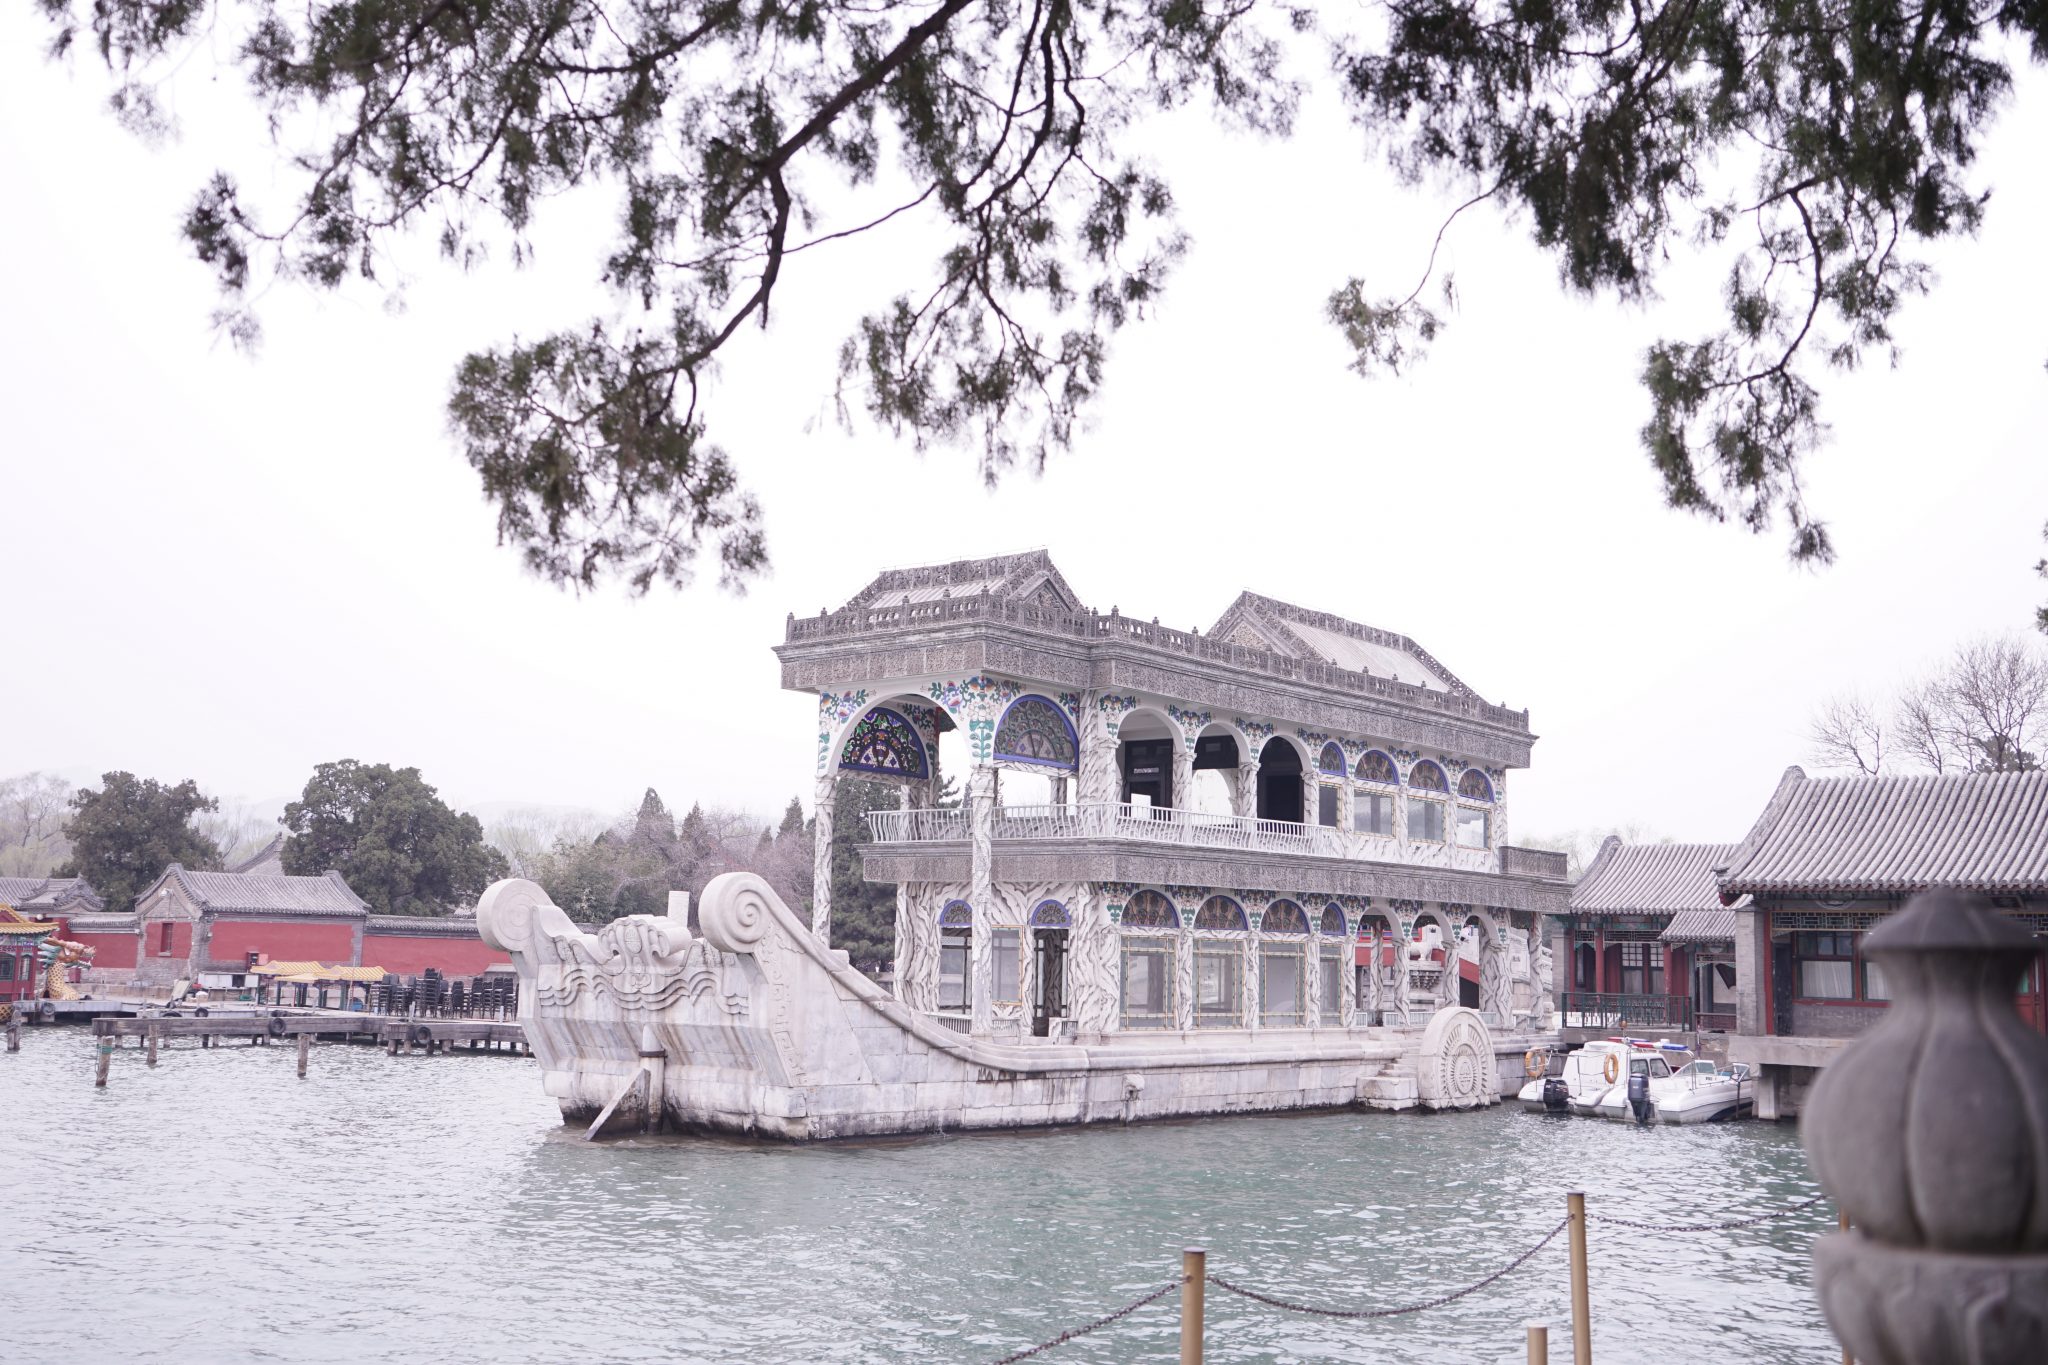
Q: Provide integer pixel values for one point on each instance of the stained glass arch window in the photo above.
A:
(957, 915)
(1150, 910)
(1377, 767)
(1473, 786)
(1332, 925)
(1221, 913)
(1283, 917)
(883, 742)
(1331, 762)
(1036, 730)
(1427, 776)
(1050, 915)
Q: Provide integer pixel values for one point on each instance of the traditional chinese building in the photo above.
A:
(1827, 861)
(1363, 800)
(1649, 944)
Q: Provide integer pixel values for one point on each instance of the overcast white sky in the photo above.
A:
(231, 569)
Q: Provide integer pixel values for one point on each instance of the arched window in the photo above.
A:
(1283, 917)
(1330, 956)
(956, 947)
(1283, 966)
(1331, 762)
(1150, 910)
(1427, 776)
(1375, 766)
(1220, 913)
(1332, 925)
(1148, 993)
(1219, 965)
(1036, 730)
(884, 742)
(1473, 786)
(1050, 915)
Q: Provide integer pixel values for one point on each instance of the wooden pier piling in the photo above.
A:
(305, 1050)
(155, 1034)
(14, 1033)
(1194, 1263)
(1539, 1342)
(1582, 1303)
(99, 1079)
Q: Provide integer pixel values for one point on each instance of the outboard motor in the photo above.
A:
(1557, 1096)
(1639, 1096)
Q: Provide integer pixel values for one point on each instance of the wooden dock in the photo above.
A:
(395, 1034)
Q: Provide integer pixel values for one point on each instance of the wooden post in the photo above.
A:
(1193, 1266)
(155, 1032)
(1582, 1307)
(106, 1060)
(1842, 1221)
(13, 1032)
(305, 1048)
(1539, 1342)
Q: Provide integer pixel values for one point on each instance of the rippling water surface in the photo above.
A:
(220, 1209)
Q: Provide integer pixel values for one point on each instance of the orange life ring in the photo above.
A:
(1612, 1068)
(1536, 1061)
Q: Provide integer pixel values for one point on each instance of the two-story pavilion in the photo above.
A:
(1363, 807)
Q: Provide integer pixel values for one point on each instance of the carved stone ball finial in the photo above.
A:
(1931, 1132)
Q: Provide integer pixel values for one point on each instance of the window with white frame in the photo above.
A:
(1472, 828)
(1148, 982)
(1003, 952)
(1372, 812)
(1283, 1000)
(1425, 820)
(1219, 983)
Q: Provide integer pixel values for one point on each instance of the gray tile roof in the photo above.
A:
(1028, 577)
(267, 861)
(1848, 836)
(1651, 879)
(1700, 926)
(50, 895)
(1303, 634)
(254, 893)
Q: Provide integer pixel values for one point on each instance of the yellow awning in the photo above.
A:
(318, 971)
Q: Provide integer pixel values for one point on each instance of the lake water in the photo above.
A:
(434, 1209)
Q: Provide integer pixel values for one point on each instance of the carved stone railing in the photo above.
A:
(1533, 862)
(1121, 820)
(1931, 1133)
(852, 622)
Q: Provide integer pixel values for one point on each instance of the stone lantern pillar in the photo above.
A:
(1931, 1133)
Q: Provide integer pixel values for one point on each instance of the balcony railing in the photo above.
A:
(1155, 825)
(1607, 1010)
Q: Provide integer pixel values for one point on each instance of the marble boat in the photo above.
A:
(1259, 868)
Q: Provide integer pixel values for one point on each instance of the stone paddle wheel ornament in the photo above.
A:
(1931, 1133)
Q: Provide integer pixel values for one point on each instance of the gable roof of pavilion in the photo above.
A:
(50, 895)
(267, 861)
(1028, 577)
(246, 893)
(1267, 623)
(1892, 836)
(1659, 879)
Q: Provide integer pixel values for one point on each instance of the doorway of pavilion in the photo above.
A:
(1280, 791)
(2033, 995)
(1049, 928)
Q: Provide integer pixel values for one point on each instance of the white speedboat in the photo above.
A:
(1703, 1093)
(1587, 1076)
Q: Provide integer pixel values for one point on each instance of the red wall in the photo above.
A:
(110, 950)
(181, 939)
(404, 955)
(284, 940)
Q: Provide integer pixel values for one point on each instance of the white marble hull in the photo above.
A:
(750, 1026)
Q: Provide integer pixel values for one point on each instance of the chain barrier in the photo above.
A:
(1707, 1227)
(1438, 1302)
(1096, 1325)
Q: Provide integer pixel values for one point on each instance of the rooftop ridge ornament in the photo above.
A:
(1931, 1132)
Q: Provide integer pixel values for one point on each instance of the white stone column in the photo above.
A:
(906, 937)
(1247, 793)
(1094, 962)
(1312, 987)
(1347, 977)
(1183, 776)
(1184, 973)
(1248, 992)
(981, 816)
(1059, 791)
(822, 811)
(1098, 780)
(1311, 790)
